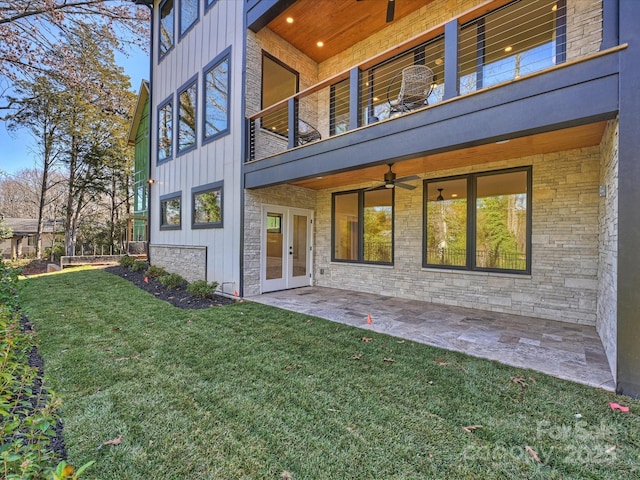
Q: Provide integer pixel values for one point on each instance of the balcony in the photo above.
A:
(492, 45)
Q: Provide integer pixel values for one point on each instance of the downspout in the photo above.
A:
(243, 151)
(151, 110)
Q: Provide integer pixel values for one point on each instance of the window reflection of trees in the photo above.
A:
(217, 99)
(207, 207)
(187, 118)
(498, 236)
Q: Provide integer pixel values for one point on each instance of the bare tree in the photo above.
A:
(30, 31)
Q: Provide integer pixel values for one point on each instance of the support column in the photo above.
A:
(628, 378)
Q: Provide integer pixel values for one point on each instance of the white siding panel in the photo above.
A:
(216, 30)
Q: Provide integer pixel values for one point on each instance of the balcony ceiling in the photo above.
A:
(556, 141)
(339, 24)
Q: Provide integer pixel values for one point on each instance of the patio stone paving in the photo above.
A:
(565, 350)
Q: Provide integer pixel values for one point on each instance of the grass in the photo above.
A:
(253, 392)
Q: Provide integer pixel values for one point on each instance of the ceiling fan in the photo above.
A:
(391, 9)
(390, 180)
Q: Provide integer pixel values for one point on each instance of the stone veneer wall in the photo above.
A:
(284, 195)
(606, 323)
(563, 284)
(188, 261)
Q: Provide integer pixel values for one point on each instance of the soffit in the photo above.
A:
(339, 24)
(557, 141)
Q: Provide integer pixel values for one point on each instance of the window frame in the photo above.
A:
(224, 56)
(280, 63)
(471, 221)
(182, 34)
(192, 82)
(208, 4)
(161, 106)
(166, 198)
(210, 187)
(361, 206)
(161, 54)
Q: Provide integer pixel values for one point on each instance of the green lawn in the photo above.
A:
(253, 392)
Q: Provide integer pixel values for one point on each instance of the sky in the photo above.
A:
(16, 148)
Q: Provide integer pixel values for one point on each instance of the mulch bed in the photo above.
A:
(178, 298)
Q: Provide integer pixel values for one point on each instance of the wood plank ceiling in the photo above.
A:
(557, 141)
(339, 24)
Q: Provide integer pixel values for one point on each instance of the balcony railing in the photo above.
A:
(467, 54)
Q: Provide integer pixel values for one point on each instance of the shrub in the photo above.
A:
(139, 266)
(202, 289)
(172, 280)
(55, 253)
(156, 272)
(127, 261)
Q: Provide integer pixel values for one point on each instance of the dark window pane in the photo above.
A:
(187, 119)
(447, 223)
(207, 207)
(278, 83)
(165, 132)
(217, 99)
(378, 226)
(345, 218)
(166, 26)
(501, 221)
(188, 14)
(171, 212)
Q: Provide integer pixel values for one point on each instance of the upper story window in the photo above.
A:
(278, 82)
(216, 98)
(208, 4)
(207, 206)
(518, 39)
(170, 211)
(187, 114)
(363, 226)
(165, 40)
(189, 14)
(165, 130)
(479, 221)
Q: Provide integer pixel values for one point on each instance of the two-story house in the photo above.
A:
(465, 152)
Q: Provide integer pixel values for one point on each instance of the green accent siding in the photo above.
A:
(141, 176)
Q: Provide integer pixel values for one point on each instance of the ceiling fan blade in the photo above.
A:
(408, 178)
(391, 7)
(375, 187)
(404, 185)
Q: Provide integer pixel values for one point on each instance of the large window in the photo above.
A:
(278, 82)
(189, 14)
(187, 102)
(165, 130)
(363, 226)
(207, 206)
(170, 212)
(479, 221)
(166, 27)
(216, 98)
(518, 39)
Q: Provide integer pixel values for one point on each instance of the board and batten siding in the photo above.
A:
(219, 28)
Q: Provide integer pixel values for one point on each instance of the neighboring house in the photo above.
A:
(139, 139)
(23, 240)
(273, 122)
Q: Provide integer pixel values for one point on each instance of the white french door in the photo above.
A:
(286, 247)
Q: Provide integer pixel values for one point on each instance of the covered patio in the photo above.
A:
(565, 350)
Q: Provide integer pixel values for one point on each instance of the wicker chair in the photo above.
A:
(306, 133)
(417, 83)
